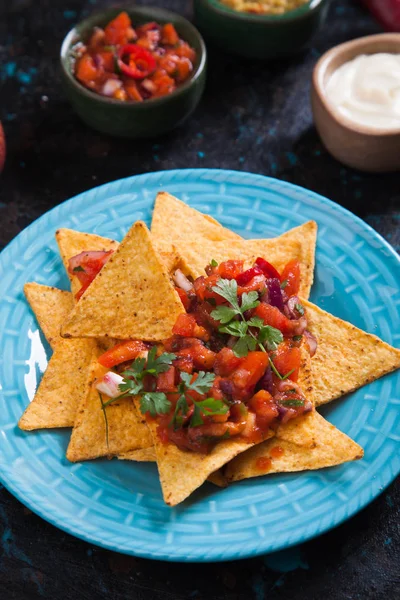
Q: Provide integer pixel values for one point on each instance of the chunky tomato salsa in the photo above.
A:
(231, 367)
(133, 64)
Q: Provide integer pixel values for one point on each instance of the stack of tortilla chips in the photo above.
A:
(133, 297)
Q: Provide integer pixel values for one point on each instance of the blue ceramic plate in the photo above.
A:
(117, 504)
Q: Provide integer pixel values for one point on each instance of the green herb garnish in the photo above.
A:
(210, 406)
(297, 338)
(284, 284)
(78, 269)
(299, 308)
(213, 262)
(233, 321)
(292, 402)
(275, 370)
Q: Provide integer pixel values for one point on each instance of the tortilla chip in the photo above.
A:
(51, 307)
(141, 455)
(173, 219)
(131, 298)
(72, 242)
(64, 382)
(306, 235)
(126, 430)
(149, 455)
(347, 358)
(331, 447)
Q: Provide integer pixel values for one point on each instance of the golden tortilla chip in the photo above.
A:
(306, 235)
(131, 298)
(64, 381)
(331, 447)
(51, 307)
(347, 357)
(173, 219)
(149, 455)
(72, 242)
(94, 435)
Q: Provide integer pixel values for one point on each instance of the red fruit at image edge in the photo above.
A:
(2, 148)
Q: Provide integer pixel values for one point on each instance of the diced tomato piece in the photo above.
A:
(116, 31)
(165, 85)
(169, 35)
(266, 267)
(271, 315)
(245, 277)
(166, 381)
(86, 71)
(226, 362)
(291, 273)
(168, 63)
(184, 363)
(286, 358)
(184, 298)
(230, 269)
(257, 284)
(106, 60)
(250, 371)
(185, 51)
(132, 91)
(203, 288)
(151, 26)
(122, 352)
(86, 266)
(183, 69)
(265, 408)
(184, 325)
(203, 358)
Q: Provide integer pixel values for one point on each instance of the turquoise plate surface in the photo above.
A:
(117, 504)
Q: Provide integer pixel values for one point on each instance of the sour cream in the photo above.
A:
(366, 90)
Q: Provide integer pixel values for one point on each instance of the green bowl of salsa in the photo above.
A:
(262, 36)
(129, 88)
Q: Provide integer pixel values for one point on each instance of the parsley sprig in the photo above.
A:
(234, 322)
(209, 406)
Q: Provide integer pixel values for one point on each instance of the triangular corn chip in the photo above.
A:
(347, 357)
(331, 447)
(64, 382)
(132, 296)
(173, 219)
(306, 235)
(72, 242)
(115, 430)
(182, 472)
(51, 307)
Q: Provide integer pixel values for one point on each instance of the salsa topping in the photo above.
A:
(86, 265)
(133, 64)
(231, 367)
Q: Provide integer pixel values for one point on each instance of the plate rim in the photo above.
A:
(22, 493)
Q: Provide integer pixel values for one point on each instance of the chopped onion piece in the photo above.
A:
(182, 281)
(149, 85)
(111, 86)
(311, 341)
(108, 384)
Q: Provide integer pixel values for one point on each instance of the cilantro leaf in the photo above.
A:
(297, 338)
(299, 308)
(236, 328)
(78, 269)
(292, 402)
(244, 345)
(270, 337)
(223, 314)
(249, 301)
(130, 387)
(213, 262)
(196, 419)
(156, 403)
(227, 288)
(201, 385)
(213, 407)
(284, 284)
(180, 411)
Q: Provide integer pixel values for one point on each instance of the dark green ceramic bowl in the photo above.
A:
(259, 36)
(130, 119)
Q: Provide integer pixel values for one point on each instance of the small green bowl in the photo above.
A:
(135, 119)
(259, 36)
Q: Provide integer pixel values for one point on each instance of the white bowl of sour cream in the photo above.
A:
(356, 102)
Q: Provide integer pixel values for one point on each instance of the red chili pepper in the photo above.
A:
(385, 11)
(141, 62)
(268, 269)
(246, 276)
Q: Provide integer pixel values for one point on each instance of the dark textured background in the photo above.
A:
(253, 117)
